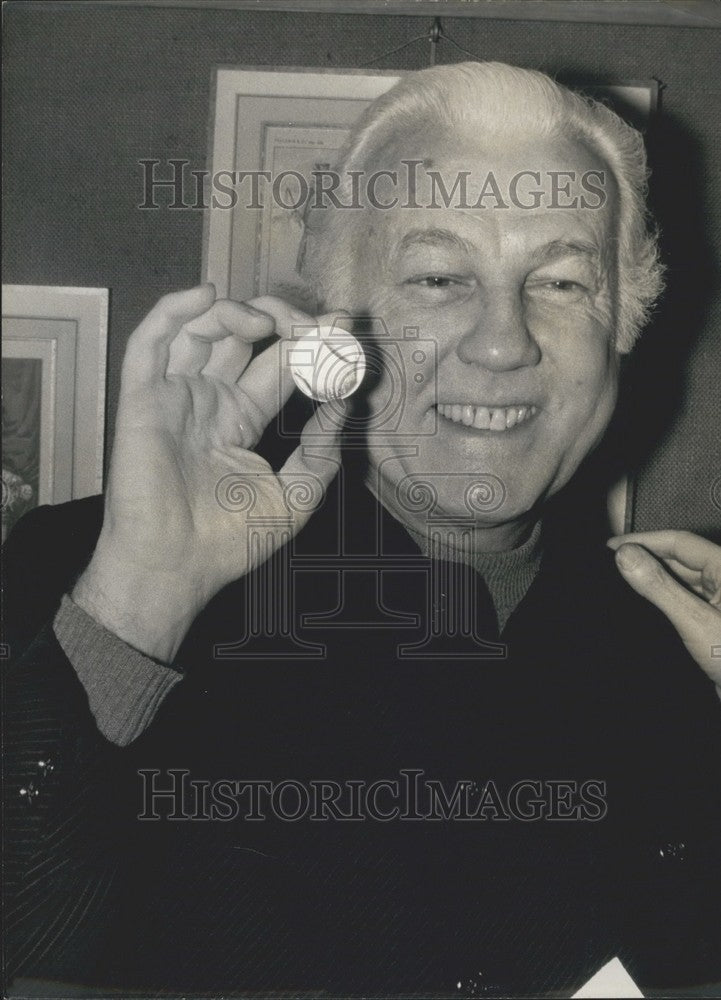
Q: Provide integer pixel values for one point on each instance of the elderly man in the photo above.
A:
(468, 758)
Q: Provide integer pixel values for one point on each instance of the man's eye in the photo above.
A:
(435, 281)
(437, 290)
(557, 288)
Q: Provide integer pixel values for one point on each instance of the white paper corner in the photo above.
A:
(611, 980)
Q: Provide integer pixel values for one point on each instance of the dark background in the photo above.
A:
(91, 90)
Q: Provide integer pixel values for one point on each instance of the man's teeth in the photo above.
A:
(494, 418)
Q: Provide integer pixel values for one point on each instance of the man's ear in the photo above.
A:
(619, 497)
(623, 359)
(618, 506)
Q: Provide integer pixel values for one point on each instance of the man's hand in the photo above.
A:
(184, 480)
(681, 574)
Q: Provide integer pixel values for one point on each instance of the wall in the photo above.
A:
(91, 90)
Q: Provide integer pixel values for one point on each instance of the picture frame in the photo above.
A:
(288, 120)
(54, 347)
(284, 119)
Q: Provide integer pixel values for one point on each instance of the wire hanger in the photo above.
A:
(434, 36)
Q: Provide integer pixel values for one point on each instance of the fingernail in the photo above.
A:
(255, 312)
(628, 557)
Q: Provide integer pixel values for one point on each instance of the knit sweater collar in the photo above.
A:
(508, 574)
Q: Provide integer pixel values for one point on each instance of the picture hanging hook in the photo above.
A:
(434, 36)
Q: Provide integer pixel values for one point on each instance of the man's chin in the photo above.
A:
(483, 488)
(470, 500)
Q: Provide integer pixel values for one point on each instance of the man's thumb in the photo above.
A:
(646, 575)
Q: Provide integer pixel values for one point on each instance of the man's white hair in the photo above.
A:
(491, 101)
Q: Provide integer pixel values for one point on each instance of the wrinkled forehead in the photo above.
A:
(499, 187)
(506, 148)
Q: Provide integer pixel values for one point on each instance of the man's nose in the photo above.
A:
(500, 339)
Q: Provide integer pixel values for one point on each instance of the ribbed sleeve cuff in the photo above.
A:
(125, 688)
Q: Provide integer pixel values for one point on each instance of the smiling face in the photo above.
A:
(519, 306)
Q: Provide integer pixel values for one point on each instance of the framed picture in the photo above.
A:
(281, 123)
(269, 132)
(53, 387)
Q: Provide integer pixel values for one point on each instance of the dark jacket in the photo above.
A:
(372, 673)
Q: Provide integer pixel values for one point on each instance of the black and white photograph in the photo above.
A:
(361, 499)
